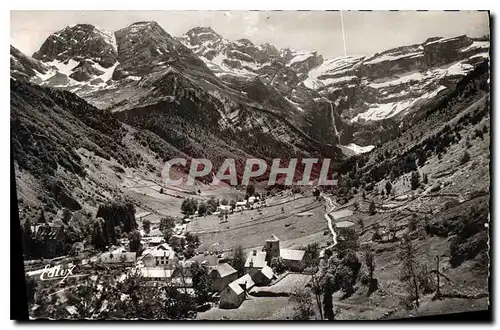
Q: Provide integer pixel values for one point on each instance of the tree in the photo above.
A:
(189, 206)
(66, 216)
(233, 204)
(415, 180)
(135, 241)
(413, 223)
(41, 219)
(117, 214)
(202, 209)
(371, 208)
(370, 265)
(391, 227)
(31, 288)
(201, 282)
(167, 223)
(316, 193)
(238, 261)
(212, 205)
(146, 226)
(425, 178)
(376, 234)
(97, 239)
(302, 301)
(311, 257)
(27, 238)
(161, 190)
(250, 190)
(388, 187)
(347, 241)
(409, 266)
(278, 265)
(465, 158)
(356, 205)
(224, 202)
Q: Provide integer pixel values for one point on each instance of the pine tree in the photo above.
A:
(238, 261)
(42, 219)
(135, 241)
(201, 282)
(371, 209)
(388, 187)
(98, 239)
(146, 226)
(415, 180)
(27, 238)
(409, 264)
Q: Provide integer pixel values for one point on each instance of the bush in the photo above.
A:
(465, 158)
(278, 265)
(202, 209)
(469, 249)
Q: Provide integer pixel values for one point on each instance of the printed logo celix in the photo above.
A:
(57, 272)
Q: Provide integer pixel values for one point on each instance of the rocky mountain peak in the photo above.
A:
(205, 31)
(143, 46)
(79, 42)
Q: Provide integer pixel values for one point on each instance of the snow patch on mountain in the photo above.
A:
(358, 149)
(64, 67)
(390, 57)
(300, 57)
(333, 67)
(388, 110)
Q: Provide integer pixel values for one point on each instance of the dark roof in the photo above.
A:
(45, 232)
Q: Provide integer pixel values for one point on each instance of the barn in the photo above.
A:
(232, 296)
(264, 276)
(222, 275)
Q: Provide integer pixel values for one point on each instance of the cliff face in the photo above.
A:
(142, 64)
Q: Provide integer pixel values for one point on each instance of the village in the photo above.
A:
(161, 263)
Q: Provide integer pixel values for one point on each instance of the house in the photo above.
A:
(294, 259)
(222, 275)
(256, 260)
(51, 238)
(164, 247)
(159, 258)
(264, 276)
(152, 240)
(209, 260)
(246, 282)
(224, 209)
(235, 293)
(182, 282)
(157, 274)
(232, 296)
(253, 199)
(240, 206)
(118, 257)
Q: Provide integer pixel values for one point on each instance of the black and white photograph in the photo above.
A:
(251, 165)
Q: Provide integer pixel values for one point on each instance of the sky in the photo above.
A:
(366, 32)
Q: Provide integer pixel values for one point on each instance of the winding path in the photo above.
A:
(329, 208)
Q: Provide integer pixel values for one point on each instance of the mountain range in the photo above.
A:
(201, 95)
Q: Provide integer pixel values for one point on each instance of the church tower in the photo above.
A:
(272, 247)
